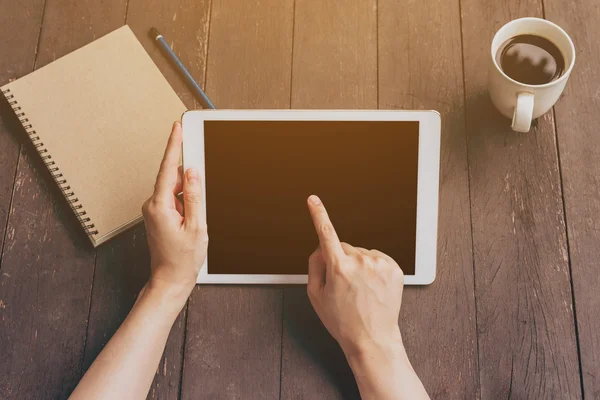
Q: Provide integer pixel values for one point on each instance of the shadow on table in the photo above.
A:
(484, 119)
(310, 336)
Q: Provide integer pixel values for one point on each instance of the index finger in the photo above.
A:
(168, 172)
(330, 243)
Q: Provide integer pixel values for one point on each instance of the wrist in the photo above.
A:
(383, 350)
(171, 295)
(383, 371)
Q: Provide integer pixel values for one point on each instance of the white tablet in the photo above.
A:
(377, 172)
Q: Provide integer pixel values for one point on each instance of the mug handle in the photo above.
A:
(523, 113)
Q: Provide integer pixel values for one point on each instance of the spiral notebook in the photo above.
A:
(100, 118)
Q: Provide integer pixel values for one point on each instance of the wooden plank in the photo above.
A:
(579, 146)
(335, 54)
(527, 345)
(313, 365)
(420, 67)
(184, 23)
(249, 54)
(45, 286)
(122, 269)
(334, 66)
(48, 262)
(122, 266)
(20, 24)
(233, 339)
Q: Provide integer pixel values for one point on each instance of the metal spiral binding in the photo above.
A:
(51, 165)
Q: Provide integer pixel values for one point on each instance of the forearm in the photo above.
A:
(384, 372)
(126, 366)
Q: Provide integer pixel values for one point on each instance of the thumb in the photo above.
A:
(316, 273)
(193, 200)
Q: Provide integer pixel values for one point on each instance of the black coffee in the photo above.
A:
(530, 59)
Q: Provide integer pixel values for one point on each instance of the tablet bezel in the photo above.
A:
(427, 180)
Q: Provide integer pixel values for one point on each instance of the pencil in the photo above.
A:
(206, 103)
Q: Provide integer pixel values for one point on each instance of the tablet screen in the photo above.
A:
(259, 175)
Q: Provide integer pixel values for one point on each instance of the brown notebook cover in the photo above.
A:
(100, 118)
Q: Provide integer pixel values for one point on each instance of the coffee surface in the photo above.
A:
(530, 59)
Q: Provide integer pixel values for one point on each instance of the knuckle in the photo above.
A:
(198, 230)
(192, 197)
(381, 262)
(145, 207)
(371, 261)
(397, 272)
(192, 225)
(376, 253)
(337, 269)
(325, 228)
(156, 206)
(151, 206)
(314, 256)
(363, 259)
(384, 266)
(202, 237)
(348, 249)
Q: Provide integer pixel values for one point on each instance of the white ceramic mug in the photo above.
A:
(520, 101)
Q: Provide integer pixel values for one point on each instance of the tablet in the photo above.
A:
(377, 173)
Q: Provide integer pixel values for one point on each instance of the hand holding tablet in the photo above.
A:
(177, 244)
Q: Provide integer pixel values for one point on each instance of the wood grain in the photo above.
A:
(122, 269)
(20, 24)
(45, 285)
(335, 54)
(48, 261)
(577, 120)
(313, 364)
(122, 265)
(184, 24)
(233, 339)
(249, 54)
(525, 321)
(334, 66)
(527, 345)
(420, 67)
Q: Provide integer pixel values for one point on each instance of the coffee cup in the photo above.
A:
(531, 60)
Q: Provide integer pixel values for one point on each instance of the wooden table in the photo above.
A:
(514, 309)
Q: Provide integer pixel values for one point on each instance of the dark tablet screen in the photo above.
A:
(260, 173)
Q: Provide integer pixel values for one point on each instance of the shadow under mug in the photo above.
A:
(520, 101)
